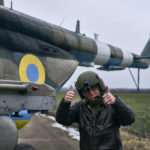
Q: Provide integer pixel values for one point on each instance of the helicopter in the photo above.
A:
(37, 59)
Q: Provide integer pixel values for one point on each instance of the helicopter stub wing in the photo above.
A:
(17, 95)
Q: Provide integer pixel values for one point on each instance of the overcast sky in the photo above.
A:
(122, 23)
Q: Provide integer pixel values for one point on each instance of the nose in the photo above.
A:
(91, 91)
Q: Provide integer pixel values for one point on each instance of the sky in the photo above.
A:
(122, 23)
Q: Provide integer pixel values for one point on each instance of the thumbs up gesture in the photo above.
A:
(69, 95)
(108, 97)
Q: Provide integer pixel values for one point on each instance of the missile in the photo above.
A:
(48, 39)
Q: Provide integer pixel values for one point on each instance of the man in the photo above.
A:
(99, 114)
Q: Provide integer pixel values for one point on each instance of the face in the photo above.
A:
(92, 93)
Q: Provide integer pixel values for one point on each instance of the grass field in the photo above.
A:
(137, 136)
(140, 104)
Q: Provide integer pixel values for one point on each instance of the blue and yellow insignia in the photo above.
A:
(31, 69)
(22, 120)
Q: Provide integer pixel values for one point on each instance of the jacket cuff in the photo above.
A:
(65, 103)
(118, 102)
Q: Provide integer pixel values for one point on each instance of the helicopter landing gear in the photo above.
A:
(8, 133)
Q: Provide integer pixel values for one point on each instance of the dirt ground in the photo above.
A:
(42, 136)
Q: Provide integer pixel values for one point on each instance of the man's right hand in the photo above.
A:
(69, 95)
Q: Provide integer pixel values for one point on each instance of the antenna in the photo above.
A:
(11, 5)
(62, 22)
(78, 27)
(96, 36)
(1, 2)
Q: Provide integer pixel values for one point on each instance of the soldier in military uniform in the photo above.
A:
(99, 114)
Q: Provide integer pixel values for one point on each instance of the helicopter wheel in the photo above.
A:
(23, 146)
(8, 133)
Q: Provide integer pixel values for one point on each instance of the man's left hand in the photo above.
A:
(108, 97)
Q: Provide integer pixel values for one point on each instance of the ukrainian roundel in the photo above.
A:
(31, 69)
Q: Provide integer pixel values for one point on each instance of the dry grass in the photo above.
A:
(133, 142)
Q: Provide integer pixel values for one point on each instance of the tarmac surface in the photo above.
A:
(42, 136)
